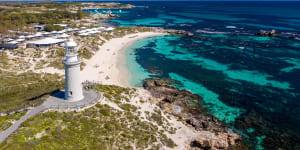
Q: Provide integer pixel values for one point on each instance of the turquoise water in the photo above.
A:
(250, 130)
(137, 72)
(220, 110)
(168, 47)
(163, 46)
(178, 20)
(148, 22)
(259, 143)
(249, 82)
(294, 62)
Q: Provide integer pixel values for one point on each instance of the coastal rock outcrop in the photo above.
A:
(267, 33)
(189, 108)
(176, 32)
(225, 141)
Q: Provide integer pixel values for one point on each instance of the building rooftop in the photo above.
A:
(49, 40)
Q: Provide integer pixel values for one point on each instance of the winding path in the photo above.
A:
(54, 103)
(16, 125)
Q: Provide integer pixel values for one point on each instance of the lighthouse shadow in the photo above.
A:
(59, 94)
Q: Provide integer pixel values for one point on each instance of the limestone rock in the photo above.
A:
(220, 141)
(214, 134)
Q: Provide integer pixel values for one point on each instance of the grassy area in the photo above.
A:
(89, 46)
(122, 31)
(18, 90)
(7, 121)
(115, 93)
(14, 64)
(85, 53)
(16, 15)
(4, 61)
(57, 55)
(99, 127)
(28, 52)
(41, 64)
(57, 64)
(57, 52)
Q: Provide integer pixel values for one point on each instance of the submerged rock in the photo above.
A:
(153, 70)
(292, 37)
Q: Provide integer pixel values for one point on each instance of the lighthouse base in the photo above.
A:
(56, 101)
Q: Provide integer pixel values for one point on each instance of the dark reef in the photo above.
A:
(189, 108)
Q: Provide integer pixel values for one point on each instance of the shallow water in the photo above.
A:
(138, 73)
(251, 83)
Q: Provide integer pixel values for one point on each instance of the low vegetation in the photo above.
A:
(122, 31)
(98, 127)
(89, 45)
(28, 52)
(56, 64)
(20, 90)
(115, 93)
(20, 16)
(51, 27)
(4, 61)
(7, 121)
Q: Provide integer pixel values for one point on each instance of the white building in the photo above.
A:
(49, 41)
(109, 29)
(73, 88)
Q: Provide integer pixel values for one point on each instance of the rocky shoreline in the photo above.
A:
(106, 5)
(188, 107)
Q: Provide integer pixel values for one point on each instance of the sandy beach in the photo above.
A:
(107, 66)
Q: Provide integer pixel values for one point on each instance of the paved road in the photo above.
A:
(53, 102)
(16, 125)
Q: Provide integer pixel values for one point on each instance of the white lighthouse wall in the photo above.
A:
(73, 89)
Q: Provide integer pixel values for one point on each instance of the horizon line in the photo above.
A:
(150, 0)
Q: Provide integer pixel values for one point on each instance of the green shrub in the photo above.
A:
(128, 107)
(51, 27)
(157, 118)
(18, 90)
(104, 112)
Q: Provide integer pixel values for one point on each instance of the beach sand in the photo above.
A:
(107, 66)
(109, 62)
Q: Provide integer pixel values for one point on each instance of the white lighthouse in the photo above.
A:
(73, 88)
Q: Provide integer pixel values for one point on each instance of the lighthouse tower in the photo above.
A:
(73, 88)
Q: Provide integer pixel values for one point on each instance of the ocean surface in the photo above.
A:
(249, 82)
